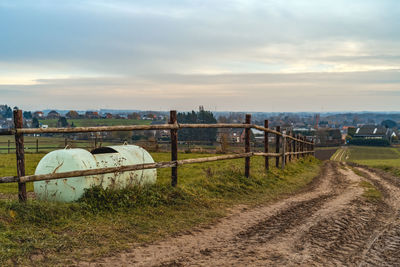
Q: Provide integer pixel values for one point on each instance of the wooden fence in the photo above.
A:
(287, 146)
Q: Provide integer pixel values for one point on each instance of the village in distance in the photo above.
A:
(327, 129)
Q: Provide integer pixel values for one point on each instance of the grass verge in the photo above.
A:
(107, 221)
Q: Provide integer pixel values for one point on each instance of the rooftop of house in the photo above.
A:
(371, 130)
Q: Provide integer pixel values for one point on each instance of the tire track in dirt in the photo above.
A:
(329, 223)
(385, 248)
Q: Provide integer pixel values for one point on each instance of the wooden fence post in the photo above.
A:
(266, 147)
(37, 145)
(284, 146)
(290, 146)
(294, 147)
(277, 137)
(301, 145)
(283, 152)
(297, 146)
(174, 148)
(8, 147)
(247, 146)
(19, 150)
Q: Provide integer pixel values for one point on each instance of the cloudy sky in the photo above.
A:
(241, 55)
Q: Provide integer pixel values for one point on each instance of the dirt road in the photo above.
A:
(329, 223)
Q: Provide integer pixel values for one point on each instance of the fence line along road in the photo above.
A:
(288, 147)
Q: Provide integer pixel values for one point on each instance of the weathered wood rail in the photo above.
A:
(288, 147)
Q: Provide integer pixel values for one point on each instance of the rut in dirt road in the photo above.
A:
(329, 223)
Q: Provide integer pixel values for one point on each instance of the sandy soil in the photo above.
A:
(328, 224)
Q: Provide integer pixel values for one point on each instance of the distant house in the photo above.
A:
(370, 135)
(53, 115)
(72, 114)
(92, 115)
(328, 137)
(134, 116)
(108, 116)
(372, 132)
(121, 116)
(38, 114)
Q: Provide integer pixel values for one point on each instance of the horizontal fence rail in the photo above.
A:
(136, 167)
(176, 126)
(287, 146)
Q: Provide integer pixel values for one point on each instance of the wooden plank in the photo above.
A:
(273, 155)
(174, 147)
(130, 128)
(20, 153)
(9, 179)
(156, 165)
(145, 127)
(247, 146)
(216, 125)
(7, 132)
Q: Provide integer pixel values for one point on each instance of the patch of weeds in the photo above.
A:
(371, 193)
(98, 199)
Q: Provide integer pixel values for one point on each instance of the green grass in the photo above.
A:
(373, 153)
(106, 221)
(97, 122)
(371, 193)
(385, 158)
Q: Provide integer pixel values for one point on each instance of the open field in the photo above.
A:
(96, 122)
(325, 153)
(106, 222)
(47, 144)
(372, 156)
(386, 158)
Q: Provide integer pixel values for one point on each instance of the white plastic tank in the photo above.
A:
(71, 189)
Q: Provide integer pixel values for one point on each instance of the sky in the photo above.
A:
(238, 55)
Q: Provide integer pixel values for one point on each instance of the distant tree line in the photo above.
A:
(5, 111)
(201, 116)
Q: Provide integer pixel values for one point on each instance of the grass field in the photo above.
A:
(47, 144)
(96, 122)
(107, 221)
(386, 158)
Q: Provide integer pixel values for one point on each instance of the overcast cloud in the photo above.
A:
(226, 55)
